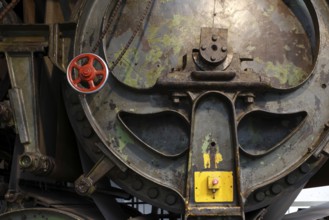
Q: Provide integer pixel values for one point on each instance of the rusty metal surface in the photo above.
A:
(266, 39)
(223, 86)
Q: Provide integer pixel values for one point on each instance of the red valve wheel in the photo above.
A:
(87, 73)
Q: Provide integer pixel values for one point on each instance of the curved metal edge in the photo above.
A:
(286, 138)
(147, 145)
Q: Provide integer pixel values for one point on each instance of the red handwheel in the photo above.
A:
(87, 73)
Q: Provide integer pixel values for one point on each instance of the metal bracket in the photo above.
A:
(213, 184)
(213, 45)
(86, 183)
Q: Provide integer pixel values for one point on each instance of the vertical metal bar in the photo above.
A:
(29, 11)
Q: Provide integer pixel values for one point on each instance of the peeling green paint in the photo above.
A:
(123, 139)
(287, 73)
(205, 143)
(284, 74)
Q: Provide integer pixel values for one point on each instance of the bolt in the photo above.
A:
(25, 161)
(224, 49)
(9, 196)
(212, 58)
(214, 38)
(82, 187)
(203, 47)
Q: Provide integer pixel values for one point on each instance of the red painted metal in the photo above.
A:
(87, 73)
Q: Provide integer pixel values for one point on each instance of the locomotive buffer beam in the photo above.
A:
(213, 184)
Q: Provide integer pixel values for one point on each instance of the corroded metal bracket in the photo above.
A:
(213, 184)
(21, 44)
(86, 184)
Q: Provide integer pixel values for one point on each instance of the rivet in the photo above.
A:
(260, 196)
(212, 58)
(305, 168)
(276, 189)
(291, 179)
(171, 199)
(203, 47)
(137, 185)
(224, 49)
(153, 193)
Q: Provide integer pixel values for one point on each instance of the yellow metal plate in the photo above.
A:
(204, 191)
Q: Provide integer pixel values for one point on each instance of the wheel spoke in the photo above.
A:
(91, 84)
(76, 81)
(100, 73)
(90, 61)
(76, 66)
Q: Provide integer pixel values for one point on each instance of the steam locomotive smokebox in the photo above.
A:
(210, 108)
(207, 109)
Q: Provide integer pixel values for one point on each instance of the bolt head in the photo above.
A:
(215, 181)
